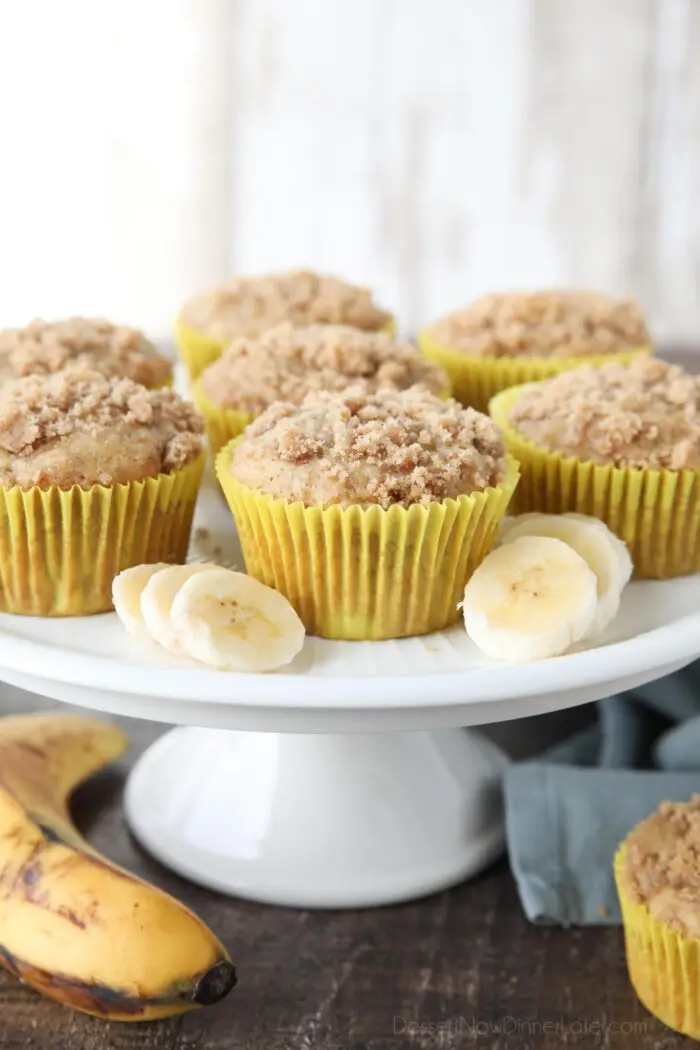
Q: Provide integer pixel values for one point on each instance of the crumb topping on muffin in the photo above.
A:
(248, 306)
(81, 428)
(645, 414)
(385, 448)
(93, 344)
(559, 323)
(287, 362)
(662, 867)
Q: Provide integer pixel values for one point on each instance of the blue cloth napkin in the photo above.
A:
(567, 812)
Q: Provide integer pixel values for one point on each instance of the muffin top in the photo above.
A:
(559, 323)
(81, 428)
(93, 344)
(248, 306)
(645, 414)
(286, 363)
(662, 865)
(385, 448)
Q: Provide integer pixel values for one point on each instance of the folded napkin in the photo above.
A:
(567, 812)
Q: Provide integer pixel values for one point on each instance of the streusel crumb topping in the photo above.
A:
(248, 306)
(385, 448)
(80, 428)
(663, 864)
(286, 363)
(94, 344)
(561, 323)
(645, 414)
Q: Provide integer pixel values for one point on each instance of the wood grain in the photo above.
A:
(462, 969)
(432, 150)
(438, 151)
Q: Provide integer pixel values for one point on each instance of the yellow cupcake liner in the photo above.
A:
(365, 573)
(221, 424)
(663, 965)
(60, 549)
(656, 512)
(199, 350)
(475, 380)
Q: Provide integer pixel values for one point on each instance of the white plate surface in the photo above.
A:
(659, 624)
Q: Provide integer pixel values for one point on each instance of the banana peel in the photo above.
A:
(74, 926)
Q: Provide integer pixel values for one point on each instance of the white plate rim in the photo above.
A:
(657, 648)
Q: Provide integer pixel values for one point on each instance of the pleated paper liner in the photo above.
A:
(663, 965)
(60, 549)
(199, 350)
(475, 380)
(221, 424)
(656, 512)
(366, 573)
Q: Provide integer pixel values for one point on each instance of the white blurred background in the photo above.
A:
(435, 149)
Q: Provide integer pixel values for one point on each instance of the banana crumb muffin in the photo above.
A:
(559, 323)
(657, 874)
(93, 344)
(81, 428)
(358, 448)
(287, 362)
(248, 306)
(644, 414)
(662, 865)
(370, 510)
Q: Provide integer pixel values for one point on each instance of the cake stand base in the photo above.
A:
(320, 821)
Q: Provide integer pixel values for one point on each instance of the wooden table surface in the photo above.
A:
(461, 969)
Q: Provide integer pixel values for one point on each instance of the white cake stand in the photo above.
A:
(344, 781)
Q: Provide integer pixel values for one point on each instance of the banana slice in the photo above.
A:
(157, 599)
(127, 588)
(231, 621)
(600, 548)
(620, 547)
(530, 599)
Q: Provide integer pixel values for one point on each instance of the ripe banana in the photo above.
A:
(530, 599)
(74, 926)
(213, 615)
(601, 549)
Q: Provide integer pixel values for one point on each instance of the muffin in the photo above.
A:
(287, 363)
(93, 344)
(368, 510)
(249, 306)
(620, 442)
(511, 338)
(96, 475)
(658, 883)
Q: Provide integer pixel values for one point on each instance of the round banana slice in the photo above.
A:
(235, 623)
(127, 588)
(600, 548)
(530, 599)
(619, 546)
(157, 599)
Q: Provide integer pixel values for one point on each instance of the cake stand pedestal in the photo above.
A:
(345, 781)
(311, 821)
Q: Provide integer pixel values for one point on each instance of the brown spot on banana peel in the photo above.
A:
(203, 989)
